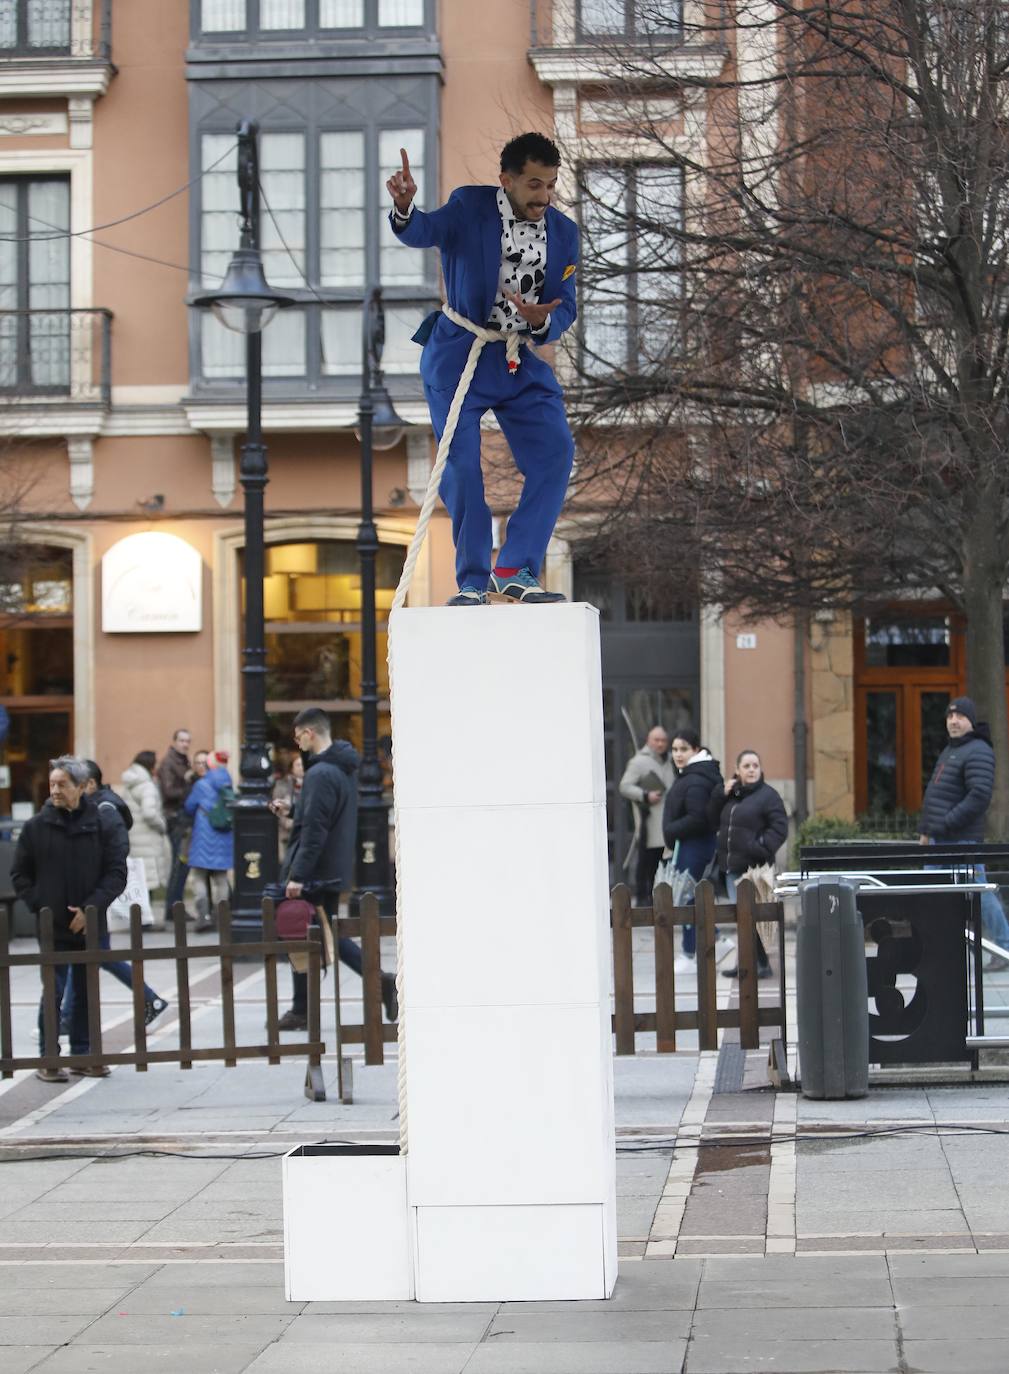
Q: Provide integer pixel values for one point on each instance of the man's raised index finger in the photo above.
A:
(406, 162)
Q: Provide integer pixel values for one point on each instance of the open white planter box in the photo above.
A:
(346, 1224)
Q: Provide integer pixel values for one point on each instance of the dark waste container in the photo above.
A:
(831, 990)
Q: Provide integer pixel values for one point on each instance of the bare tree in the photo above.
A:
(795, 353)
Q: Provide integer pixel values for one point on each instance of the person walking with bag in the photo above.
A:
(212, 845)
(752, 826)
(149, 840)
(647, 778)
(689, 835)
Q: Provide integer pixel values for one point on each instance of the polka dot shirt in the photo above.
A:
(523, 267)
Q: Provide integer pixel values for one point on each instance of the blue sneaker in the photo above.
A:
(521, 586)
(468, 595)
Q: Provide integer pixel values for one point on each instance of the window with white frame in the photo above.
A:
(631, 279)
(35, 26)
(275, 18)
(630, 18)
(34, 284)
(320, 195)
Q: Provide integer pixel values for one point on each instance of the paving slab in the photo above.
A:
(942, 1356)
(269, 1274)
(579, 1357)
(948, 1266)
(206, 1358)
(213, 1299)
(364, 1359)
(45, 1328)
(46, 1275)
(387, 1328)
(185, 1330)
(71, 1302)
(796, 1324)
(19, 1359)
(543, 1327)
(813, 1220)
(721, 1355)
(929, 1322)
(975, 1290)
(805, 1291)
(788, 1269)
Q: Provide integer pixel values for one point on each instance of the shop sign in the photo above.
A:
(152, 583)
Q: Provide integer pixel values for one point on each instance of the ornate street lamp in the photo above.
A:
(245, 302)
(379, 427)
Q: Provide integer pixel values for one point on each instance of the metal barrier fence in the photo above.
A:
(708, 1018)
(47, 958)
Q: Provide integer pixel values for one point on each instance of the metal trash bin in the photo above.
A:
(831, 990)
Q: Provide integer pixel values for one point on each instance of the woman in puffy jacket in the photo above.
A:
(752, 826)
(685, 813)
(149, 835)
(211, 851)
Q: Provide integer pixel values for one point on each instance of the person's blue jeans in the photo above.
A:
(179, 871)
(993, 917)
(79, 1041)
(119, 968)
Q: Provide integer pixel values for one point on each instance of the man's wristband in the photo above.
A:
(399, 216)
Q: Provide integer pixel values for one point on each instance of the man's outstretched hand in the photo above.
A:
(535, 315)
(401, 185)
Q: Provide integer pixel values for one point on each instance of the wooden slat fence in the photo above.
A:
(46, 958)
(708, 1018)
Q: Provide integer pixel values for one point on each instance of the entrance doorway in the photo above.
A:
(651, 676)
(908, 664)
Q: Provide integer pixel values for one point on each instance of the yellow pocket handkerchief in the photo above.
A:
(568, 271)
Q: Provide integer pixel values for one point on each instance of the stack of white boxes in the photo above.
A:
(500, 789)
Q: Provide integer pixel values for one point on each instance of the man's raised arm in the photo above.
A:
(415, 227)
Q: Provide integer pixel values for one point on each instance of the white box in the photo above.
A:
(347, 1230)
(502, 709)
(511, 1254)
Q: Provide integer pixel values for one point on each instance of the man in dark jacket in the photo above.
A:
(102, 795)
(70, 856)
(173, 778)
(319, 863)
(956, 802)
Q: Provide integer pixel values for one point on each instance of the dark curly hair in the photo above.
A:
(529, 148)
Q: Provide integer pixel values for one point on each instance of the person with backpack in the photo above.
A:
(211, 846)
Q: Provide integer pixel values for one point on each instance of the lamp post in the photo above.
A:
(379, 427)
(246, 303)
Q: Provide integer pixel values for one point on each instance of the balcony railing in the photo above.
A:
(80, 29)
(56, 355)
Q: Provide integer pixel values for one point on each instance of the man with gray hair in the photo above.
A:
(70, 856)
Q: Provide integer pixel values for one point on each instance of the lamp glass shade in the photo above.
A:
(386, 426)
(245, 301)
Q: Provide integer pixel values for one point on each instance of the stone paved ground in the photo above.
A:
(779, 1235)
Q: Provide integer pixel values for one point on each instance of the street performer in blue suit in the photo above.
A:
(508, 259)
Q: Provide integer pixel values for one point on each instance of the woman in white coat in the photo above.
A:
(149, 836)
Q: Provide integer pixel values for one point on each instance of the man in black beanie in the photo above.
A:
(956, 802)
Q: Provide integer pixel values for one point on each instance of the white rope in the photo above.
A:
(513, 342)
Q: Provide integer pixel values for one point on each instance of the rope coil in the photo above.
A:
(513, 343)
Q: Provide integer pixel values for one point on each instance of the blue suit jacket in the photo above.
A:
(467, 230)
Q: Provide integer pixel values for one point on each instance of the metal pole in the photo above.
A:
(255, 826)
(373, 814)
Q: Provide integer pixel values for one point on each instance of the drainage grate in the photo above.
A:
(730, 1068)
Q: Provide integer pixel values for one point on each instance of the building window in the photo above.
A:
(631, 275)
(324, 238)
(277, 18)
(34, 284)
(36, 671)
(628, 18)
(35, 27)
(312, 603)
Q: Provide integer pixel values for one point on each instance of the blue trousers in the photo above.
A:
(529, 407)
(119, 968)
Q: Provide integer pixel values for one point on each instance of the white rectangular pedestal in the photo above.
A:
(500, 789)
(347, 1231)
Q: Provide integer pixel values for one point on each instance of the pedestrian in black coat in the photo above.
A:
(70, 856)
(320, 855)
(752, 826)
(685, 826)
